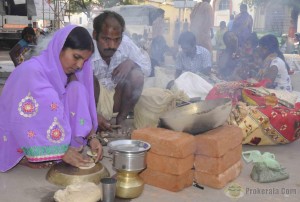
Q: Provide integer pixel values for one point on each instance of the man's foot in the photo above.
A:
(38, 165)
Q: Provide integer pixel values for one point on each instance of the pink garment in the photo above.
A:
(40, 117)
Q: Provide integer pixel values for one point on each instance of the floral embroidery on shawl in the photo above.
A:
(30, 134)
(55, 133)
(82, 122)
(28, 107)
(54, 106)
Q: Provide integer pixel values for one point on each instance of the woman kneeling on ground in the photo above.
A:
(47, 105)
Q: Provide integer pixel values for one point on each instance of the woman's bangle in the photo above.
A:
(90, 137)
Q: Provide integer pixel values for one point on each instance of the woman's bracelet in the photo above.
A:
(90, 137)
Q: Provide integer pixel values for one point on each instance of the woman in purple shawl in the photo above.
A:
(47, 106)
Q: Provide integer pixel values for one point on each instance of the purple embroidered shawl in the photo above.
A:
(33, 118)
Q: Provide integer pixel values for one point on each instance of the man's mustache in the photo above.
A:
(110, 49)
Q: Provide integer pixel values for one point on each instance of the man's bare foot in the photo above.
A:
(38, 165)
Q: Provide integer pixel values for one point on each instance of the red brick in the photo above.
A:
(216, 142)
(169, 165)
(221, 180)
(216, 166)
(169, 182)
(166, 142)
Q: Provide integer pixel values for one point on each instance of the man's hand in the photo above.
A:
(103, 124)
(120, 73)
(74, 158)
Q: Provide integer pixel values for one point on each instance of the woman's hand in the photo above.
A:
(74, 158)
(96, 148)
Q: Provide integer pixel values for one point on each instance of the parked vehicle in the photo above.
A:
(14, 16)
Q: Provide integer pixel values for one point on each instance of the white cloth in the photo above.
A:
(193, 85)
(126, 50)
(105, 104)
(282, 80)
(152, 104)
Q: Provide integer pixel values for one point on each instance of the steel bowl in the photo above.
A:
(129, 155)
(197, 117)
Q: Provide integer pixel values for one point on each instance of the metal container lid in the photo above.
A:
(128, 146)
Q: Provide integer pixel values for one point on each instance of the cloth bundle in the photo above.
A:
(265, 167)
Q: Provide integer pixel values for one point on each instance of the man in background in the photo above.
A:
(202, 18)
(119, 69)
(23, 47)
(242, 25)
(192, 58)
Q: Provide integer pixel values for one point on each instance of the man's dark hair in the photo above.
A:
(187, 38)
(244, 7)
(100, 19)
(27, 30)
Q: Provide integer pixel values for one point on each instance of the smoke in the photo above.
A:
(42, 44)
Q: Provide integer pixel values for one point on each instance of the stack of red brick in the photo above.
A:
(218, 156)
(170, 159)
(215, 156)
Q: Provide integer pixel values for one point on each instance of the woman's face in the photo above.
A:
(263, 51)
(72, 60)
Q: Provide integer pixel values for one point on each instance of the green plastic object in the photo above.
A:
(265, 167)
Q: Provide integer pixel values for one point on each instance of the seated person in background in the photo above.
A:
(158, 49)
(119, 69)
(250, 44)
(230, 57)
(47, 105)
(220, 46)
(192, 58)
(274, 67)
(17, 53)
(245, 67)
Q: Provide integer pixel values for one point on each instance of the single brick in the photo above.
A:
(166, 142)
(216, 142)
(214, 166)
(169, 165)
(166, 181)
(221, 180)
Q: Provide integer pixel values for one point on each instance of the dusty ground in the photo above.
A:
(28, 185)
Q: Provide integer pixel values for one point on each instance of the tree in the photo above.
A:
(85, 6)
(255, 3)
(294, 4)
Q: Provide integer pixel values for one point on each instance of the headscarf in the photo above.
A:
(33, 119)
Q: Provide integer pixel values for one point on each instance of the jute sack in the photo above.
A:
(152, 104)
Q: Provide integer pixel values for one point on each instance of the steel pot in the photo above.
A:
(129, 161)
(129, 155)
